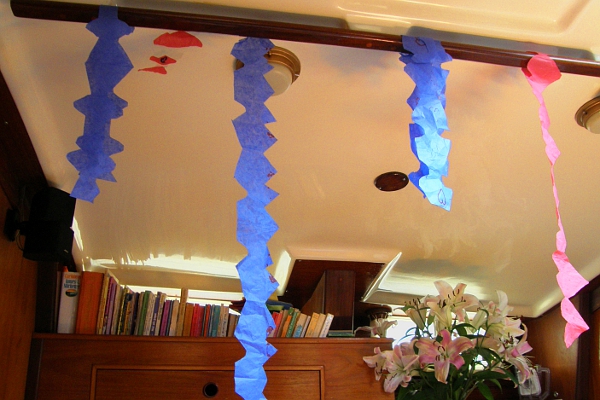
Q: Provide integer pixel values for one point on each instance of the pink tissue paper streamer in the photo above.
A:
(541, 71)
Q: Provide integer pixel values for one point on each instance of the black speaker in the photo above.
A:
(48, 232)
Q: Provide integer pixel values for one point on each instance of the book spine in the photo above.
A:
(326, 325)
(292, 326)
(141, 317)
(164, 319)
(305, 328)
(181, 315)
(126, 300)
(110, 303)
(131, 313)
(156, 316)
(69, 297)
(102, 305)
(150, 316)
(223, 320)
(231, 325)
(116, 310)
(214, 320)
(314, 320)
(189, 312)
(174, 318)
(207, 316)
(90, 292)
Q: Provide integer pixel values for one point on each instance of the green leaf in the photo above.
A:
(495, 381)
(487, 374)
(485, 391)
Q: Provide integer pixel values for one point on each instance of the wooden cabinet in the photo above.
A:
(137, 367)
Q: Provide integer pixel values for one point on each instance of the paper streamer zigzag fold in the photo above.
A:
(423, 61)
(255, 226)
(106, 66)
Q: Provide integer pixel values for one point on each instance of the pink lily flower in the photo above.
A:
(400, 366)
(442, 354)
(456, 299)
(513, 354)
(377, 361)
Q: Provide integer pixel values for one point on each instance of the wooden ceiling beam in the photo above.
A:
(21, 175)
(62, 11)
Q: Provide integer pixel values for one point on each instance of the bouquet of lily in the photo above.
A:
(450, 354)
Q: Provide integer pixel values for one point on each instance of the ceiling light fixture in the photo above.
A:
(391, 181)
(588, 115)
(286, 69)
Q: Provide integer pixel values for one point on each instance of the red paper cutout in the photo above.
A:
(164, 60)
(158, 70)
(177, 39)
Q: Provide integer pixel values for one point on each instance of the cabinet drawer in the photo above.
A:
(197, 383)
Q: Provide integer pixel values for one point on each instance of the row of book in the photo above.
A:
(291, 322)
(95, 303)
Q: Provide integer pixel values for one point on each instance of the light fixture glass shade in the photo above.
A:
(588, 115)
(280, 78)
(286, 69)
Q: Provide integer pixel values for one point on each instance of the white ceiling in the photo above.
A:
(342, 123)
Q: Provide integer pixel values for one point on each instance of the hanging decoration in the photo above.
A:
(540, 72)
(162, 62)
(423, 59)
(254, 226)
(177, 40)
(106, 66)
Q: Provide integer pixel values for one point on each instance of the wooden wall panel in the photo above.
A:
(17, 313)
(549, 350)
(594, 381)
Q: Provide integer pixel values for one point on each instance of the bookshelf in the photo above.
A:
(180, 368)
(109, 366)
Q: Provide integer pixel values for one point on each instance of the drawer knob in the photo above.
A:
(210, 390)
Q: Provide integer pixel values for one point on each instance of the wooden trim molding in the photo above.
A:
(63, 11)
(21, 175)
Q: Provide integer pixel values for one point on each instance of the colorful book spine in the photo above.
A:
(164, 318)
(102, 305)
(292, 325)
(189, 312)
(149, 313)
(159, 304)
(181, 315)
(301, 321)
(174, 318)
(208, 311)
(214, 320)
(141, 317)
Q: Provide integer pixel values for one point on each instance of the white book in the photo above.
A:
(69, 297)
(326, 325)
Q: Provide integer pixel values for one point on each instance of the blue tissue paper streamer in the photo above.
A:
(254, 226)
(423, 59)
(106, 66)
